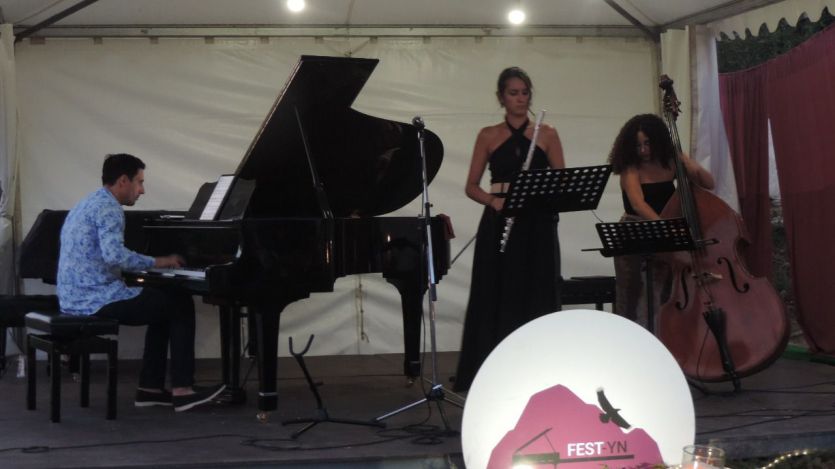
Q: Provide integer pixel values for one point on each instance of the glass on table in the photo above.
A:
(702, 457)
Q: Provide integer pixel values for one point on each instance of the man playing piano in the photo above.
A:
(93, 254)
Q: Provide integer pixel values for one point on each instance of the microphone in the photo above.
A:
(418, 122)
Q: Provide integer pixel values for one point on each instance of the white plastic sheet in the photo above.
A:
(190, 107)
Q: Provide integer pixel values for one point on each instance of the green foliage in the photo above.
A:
(734, 54)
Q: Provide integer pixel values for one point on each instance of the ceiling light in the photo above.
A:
(295, 5)
(516, 16)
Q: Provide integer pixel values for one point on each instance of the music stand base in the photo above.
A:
(700, 386)
(322, 416)
(437, 395)
(321, 413)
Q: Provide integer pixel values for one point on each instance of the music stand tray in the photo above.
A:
(556, 190)
(644, 237)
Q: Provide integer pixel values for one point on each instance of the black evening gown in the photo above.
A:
(511, 288)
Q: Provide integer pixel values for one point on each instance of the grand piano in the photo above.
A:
(302, 209)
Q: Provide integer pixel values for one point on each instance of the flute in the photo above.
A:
(508, 223)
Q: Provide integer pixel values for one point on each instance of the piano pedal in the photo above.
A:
(410, 381)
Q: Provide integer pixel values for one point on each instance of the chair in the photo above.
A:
(585, 290)
(58, 334)
(13, 309)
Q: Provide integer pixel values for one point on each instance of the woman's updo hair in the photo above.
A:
(513, 72)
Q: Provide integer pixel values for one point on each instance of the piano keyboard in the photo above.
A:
(181, 272)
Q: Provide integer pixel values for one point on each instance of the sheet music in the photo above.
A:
(218, 196)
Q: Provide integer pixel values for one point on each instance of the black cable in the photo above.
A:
(46, 449)
(771, 413)
(752, 424)
(420, 433)
(785, 390)
(776, 391)
(594, 212)
(744, 425)
(800, 386)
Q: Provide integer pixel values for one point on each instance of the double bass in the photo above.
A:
(720, 322)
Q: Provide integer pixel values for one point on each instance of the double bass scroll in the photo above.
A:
(720, 322)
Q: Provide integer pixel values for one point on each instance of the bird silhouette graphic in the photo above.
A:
(609, 412)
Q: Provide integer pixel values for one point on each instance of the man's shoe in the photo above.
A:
(148, 399)
(183, 403)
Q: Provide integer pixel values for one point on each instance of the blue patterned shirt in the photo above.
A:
(93, 255)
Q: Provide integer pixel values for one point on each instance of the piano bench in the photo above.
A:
(13, 309)
(595, 290)
(58, 334)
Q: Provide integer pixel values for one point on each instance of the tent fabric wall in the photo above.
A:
(8, 161)
(689, 58)
(710, 144)
(675, 63)
(189, 108)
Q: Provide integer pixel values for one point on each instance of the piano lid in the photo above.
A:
(367, 165)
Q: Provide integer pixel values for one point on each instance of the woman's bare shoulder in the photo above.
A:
(491, 130)
(491, 134)
(548, 130)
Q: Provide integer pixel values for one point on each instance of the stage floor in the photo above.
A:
(789, 406)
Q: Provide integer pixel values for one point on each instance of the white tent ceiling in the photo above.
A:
(589, 17)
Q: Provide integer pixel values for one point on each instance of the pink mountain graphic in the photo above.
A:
(558, 429)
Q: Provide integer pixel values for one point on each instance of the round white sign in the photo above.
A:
(577, 389)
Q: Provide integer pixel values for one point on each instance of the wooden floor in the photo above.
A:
(788, 406)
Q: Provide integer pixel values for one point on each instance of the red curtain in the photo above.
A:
(801, 105)
(742, 97)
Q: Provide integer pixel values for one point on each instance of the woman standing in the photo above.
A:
(644, 156)
(511, 288)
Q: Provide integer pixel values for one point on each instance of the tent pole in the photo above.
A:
(53, 19)
(651, 33)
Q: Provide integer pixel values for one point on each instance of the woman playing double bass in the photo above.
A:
(643, 155)
(720, 322)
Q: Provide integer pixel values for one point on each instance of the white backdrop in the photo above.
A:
(189, 108)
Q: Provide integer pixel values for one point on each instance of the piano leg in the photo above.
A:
(411, 297)
(230, 345)
(266, 324)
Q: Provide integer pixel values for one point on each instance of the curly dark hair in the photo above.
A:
(513, 72)
(624, 152)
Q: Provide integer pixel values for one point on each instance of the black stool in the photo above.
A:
(597, 289)
(13, 309)
(72, 335)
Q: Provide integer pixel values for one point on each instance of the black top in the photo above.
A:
(508, 158)
(656, 194)
(367, 166)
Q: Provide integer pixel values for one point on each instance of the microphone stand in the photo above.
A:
(436, 391)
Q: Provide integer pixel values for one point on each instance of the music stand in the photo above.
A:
(436, 392)
(553, 191)
(644, 238)
(556, 190)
